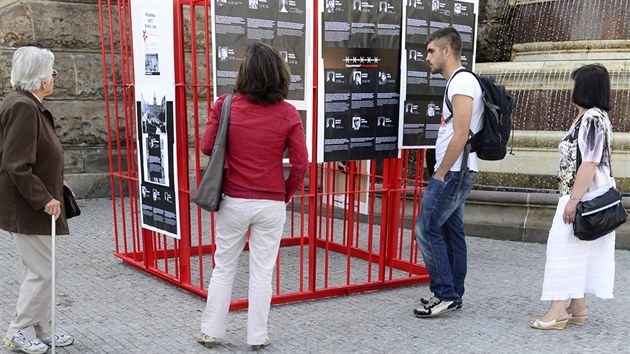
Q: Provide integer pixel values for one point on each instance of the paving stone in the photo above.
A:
(110, 307)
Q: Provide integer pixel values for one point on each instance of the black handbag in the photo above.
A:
(208, 195)
(69, 203)
(601, 215)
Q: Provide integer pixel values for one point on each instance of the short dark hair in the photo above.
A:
(447, 36)
(591, 87)
(263, 76)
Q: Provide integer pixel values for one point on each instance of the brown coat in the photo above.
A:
(31, 166)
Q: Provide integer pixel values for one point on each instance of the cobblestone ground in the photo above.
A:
(110, 307)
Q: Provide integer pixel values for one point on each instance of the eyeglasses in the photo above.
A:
(54, 74)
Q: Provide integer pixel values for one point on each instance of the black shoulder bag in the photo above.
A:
(69, 203)
(601, 215)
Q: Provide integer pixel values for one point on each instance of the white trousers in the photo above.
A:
(265, 220)
(33, 308)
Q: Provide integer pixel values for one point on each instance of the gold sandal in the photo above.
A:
(578, 320)
(553, 324)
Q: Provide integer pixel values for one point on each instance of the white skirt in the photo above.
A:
(575, 267)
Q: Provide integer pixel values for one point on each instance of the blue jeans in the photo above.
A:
(440, 234)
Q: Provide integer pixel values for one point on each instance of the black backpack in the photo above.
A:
(490, 143)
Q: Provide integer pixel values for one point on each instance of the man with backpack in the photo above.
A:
(439, 229)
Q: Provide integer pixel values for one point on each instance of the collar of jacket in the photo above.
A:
(40, 105)
(32, 96)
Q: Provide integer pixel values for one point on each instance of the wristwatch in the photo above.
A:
(572, 197)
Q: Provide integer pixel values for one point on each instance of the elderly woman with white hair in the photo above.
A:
(31, 186)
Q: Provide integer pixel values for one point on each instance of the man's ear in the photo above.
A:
(448, 51)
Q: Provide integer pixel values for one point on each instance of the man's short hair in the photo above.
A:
(447, 36)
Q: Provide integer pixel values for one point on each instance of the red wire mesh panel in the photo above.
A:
(349, 229)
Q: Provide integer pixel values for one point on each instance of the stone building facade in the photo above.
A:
(70, 29)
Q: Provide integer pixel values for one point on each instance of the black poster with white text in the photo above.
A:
(361, 55)
(422, 115)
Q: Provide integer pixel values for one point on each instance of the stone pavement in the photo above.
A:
(113, 308)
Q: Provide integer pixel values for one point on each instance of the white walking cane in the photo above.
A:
(53, 232)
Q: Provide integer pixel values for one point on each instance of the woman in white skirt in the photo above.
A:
(575, 267)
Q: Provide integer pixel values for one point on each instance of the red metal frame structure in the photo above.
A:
(325, 251)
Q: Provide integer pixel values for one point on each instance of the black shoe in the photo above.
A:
(425, 301)
(435, 307)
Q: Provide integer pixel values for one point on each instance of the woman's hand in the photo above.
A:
(53, 207)
(569, 211)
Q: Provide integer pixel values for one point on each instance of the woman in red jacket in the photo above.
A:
(261, 128)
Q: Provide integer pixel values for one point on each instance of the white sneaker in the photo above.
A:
(19, 342)
(61, 340)
(435, 307)
(257, 347)
(207, 340)
(425, 301)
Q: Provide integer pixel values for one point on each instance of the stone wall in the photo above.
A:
(70, 29)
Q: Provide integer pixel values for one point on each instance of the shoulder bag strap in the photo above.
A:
(449, 104)
(463, 169)
(221, 139)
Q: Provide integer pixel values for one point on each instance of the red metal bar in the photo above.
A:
(127, 77)
(181, 122)
(312, 200)
(116, 110)
(206, 25)
(107, 115)
(128, 132)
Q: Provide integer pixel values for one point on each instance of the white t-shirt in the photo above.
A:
(463, 84)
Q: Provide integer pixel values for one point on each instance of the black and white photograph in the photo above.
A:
(356, 77)
(151, 64)
(383, 6)
(330, 122)
(431, 110)
(356, 123)
(282, 6)
(382, 77)
(412, 54)
(330, 6)
(457, 9)
(154, 127)
(223, 53)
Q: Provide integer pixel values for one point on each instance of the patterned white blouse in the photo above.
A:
(594, 131)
